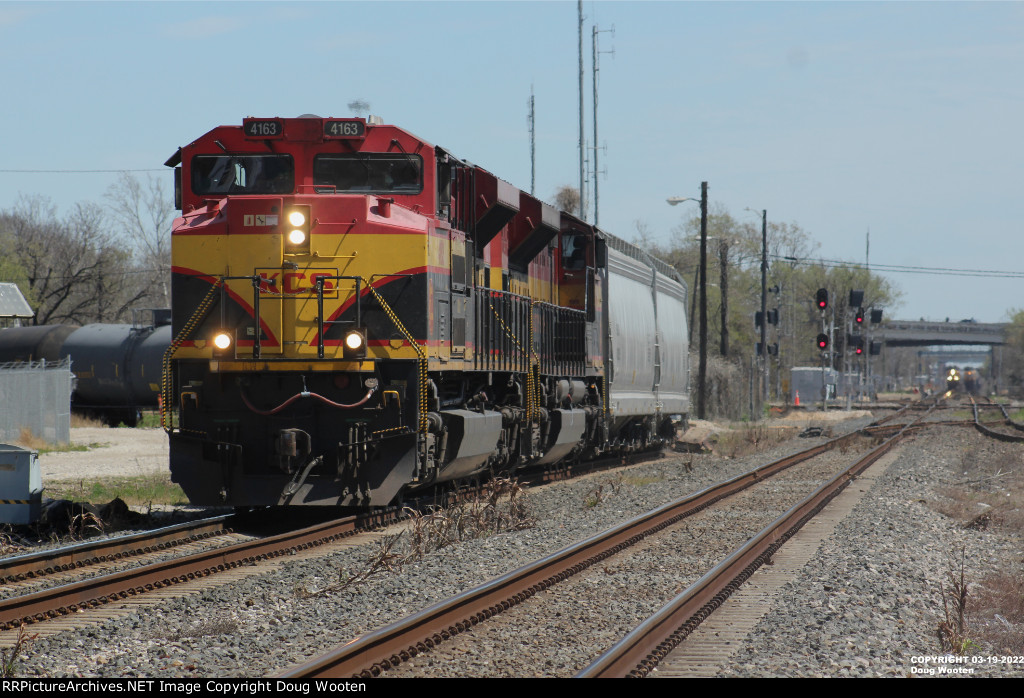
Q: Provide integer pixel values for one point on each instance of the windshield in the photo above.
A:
(243, 174)
(371, 173)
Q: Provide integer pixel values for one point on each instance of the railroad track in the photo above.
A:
(387, 648)
(68, 599)
(130, 566)
(983, 426)
(42, 564)
(639, 653)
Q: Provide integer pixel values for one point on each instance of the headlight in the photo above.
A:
(354, 340)
(299, 219)
(222, 340)
(355, 344)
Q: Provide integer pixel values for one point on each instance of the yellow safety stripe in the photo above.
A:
(167, 378)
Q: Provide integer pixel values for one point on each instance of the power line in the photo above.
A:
(78, 171)
(906, 269)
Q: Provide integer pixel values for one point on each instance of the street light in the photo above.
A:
(702, 368)
(673, 200)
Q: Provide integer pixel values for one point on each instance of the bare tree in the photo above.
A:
(567, 198)
(72, 269)
(144, 212)
(359, 107)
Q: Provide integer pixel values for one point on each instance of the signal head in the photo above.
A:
(821, 297)
(823, 341)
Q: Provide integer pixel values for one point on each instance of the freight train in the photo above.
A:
(117, 367)
(358, 313)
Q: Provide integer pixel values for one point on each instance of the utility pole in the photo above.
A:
(723, 283)
(702, 370)
(764, 299)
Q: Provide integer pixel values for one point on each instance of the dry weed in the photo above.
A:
(83, 420)
(84, 525)
(9, 660)
(500, 508)
(999, 600)
(954, 633)
(383, 560)
(744, 441)
(9, 541)
(27, 439)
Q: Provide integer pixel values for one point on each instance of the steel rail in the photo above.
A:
(62, 600)
(371, 654)
(992, 433)
(641, 650)
(39, 564)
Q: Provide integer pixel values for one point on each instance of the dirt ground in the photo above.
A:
(701, 431)
(112, 452)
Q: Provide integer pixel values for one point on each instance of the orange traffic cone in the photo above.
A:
(797, 398)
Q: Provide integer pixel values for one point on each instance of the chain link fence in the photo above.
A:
(36, 396)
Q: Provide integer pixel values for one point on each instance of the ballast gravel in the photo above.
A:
(866, 605)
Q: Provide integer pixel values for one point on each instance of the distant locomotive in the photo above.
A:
(358, 313)
(117, 368)
(966, 380)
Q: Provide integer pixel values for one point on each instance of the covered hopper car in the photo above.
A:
(358, 313)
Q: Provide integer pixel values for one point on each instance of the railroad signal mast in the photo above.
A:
(824, 340)
(858, 338)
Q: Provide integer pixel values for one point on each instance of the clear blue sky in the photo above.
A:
(904, 118)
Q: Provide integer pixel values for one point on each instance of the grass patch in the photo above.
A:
(135, 490)
(150, 420)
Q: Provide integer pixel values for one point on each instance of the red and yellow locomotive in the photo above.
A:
(357, 312)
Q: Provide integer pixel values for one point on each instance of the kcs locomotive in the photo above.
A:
(357, 313)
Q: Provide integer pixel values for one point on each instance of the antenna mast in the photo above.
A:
(531, 119)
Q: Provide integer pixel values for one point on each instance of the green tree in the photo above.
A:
(1013, 352)
(734, 254)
